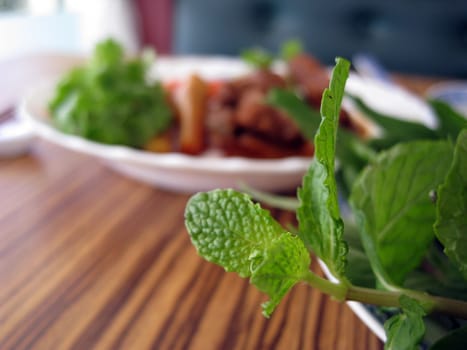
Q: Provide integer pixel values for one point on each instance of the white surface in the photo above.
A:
(366, 316)
(452, 92)
(185, 173)
(15, 138)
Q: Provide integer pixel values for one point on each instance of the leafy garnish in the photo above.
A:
(228, 229)
(451, 223)
(395, 130)
(320, 225)
(393, 208)
(450, 121)
(290, 49)
(405, 330)
(109, 100)
(258, 58)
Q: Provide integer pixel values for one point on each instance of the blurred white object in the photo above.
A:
(15, 138)
(453, 93)
(367, 65)
(403, 103)
(102, 19)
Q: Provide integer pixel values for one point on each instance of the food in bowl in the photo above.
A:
(111, 100)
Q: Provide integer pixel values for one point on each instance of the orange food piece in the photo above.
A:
(191, 101)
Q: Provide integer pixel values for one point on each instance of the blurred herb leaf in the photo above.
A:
(451, 223)
(450, 121)
(290, 49)
(109, 100)
(258, 58)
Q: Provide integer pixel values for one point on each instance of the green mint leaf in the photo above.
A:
(450, 121)
(393, 207)
(305, 117)
(320, 224)
(451, 209)
(405, 330)
(395, 130)
(455, 340)
(257, 58)
(290, 49)
(227, 228)
(279, 268)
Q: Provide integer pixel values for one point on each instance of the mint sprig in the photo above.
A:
(320, 224)
(395, 208)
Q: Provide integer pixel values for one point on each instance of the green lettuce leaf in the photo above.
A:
(451, 222)
(320, 224)
(405, 330)
(393, 208)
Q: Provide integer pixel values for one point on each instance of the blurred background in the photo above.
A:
(426, 37)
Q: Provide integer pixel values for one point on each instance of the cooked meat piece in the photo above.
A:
(310, 76)
(248, 145)
(256, 117)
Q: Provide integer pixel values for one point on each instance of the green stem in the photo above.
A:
(430, 303)
(337, 291)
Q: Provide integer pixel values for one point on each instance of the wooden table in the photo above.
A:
(91, 259)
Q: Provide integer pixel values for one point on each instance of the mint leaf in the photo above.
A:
(320, 225)
(227, 228)
(279, 268)
(451, 209)
(393, 208)
(307, 119)
(450, 121)
(405, 330)
(395, 130)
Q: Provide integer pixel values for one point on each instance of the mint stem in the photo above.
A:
(342, 292)
(430, 303)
